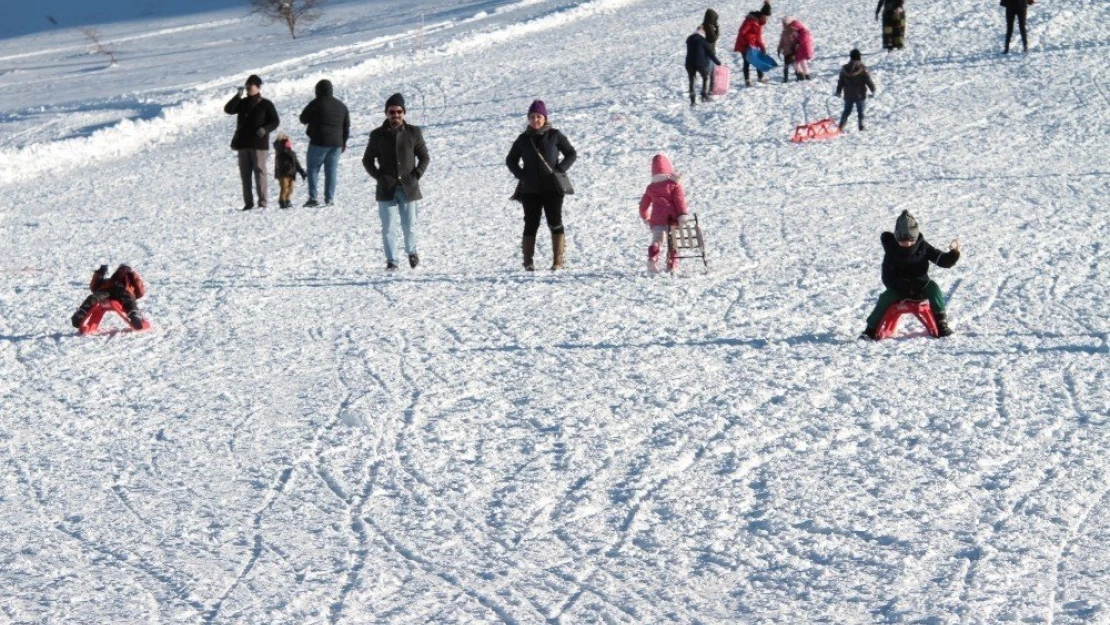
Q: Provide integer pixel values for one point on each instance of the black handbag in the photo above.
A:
(562, 180)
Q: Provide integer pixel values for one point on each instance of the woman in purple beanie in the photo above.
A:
(535, 161)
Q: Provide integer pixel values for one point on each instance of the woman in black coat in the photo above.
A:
(1016, 9)
(534, 160)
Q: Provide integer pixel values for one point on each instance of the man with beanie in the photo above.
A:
(854, 82)
(699, 55)
(257, 118)
(751, 36)
(329, 127)
(397, 158)
(906, 261)
(534, 161)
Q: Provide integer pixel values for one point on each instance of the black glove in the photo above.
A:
(241, 91)
(261, 132)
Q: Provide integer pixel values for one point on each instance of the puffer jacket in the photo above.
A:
(124, 279)
(750, 35)
(854, 82)
(328, 121)
(788, 40)
(664, 201)
(906, 269)
(286, 163)
(804, 50)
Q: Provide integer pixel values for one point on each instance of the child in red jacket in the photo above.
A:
(125, 286)
(662, 206)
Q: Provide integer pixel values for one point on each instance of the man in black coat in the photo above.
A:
(397, 158)
(257, 118)
(698, 55)
(329, 127)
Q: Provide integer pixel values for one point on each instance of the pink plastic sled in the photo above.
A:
(920, 309)
(720, 80)
(92, 321)
(820, 129)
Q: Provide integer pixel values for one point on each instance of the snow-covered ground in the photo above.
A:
(304, 438)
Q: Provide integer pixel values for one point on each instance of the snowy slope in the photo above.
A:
(303, 438)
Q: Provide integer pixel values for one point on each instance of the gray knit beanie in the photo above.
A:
(905, 229)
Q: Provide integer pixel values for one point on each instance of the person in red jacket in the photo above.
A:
(125, 286)
(751, 36)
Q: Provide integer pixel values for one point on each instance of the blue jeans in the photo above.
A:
(328, 157)
(392, 211)
(848, 111)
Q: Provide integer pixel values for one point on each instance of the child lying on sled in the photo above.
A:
(124, 286)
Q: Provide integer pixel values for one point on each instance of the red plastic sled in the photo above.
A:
(820, 129)
(920, 309)
(92, 321)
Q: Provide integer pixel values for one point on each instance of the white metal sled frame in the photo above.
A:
(688, 238)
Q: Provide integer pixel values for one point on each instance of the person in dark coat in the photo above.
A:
(906, 258)
(533, 159)
(257, 118)
(397, 158)
(1016, 9)
(329, 127)
(699, 54)
(710, 24)
(286, 168)
(853, 83)
(894, 23)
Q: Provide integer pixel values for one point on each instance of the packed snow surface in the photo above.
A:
(305, 438)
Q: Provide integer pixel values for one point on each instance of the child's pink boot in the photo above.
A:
(653, 258)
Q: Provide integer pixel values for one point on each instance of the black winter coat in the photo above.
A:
(712, 28)
(699, 52)
(906, 269)
(329, 122)
(854, 82)
(254, 112)
(534, 176)
(396, 155)
(1016, 5)
(286, 163)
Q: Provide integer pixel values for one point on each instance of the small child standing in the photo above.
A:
(788, 40)
(125, 286)
(854, 82)
(906, 261)
(286, 168)
(662, 206)
(803, 47)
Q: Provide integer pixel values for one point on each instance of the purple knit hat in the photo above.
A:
(538, 107)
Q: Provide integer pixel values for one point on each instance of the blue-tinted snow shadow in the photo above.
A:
(750, 343)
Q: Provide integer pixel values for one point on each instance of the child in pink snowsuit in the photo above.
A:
(803, 46)
(663, 206)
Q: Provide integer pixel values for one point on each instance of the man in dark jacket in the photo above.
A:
(854, 82)
(906, 258)
(698, 55)
(1016, 9)
(257, 118)
(329, 127)
(397, 158)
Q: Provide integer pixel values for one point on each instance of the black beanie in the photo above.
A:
(255, 80)
(766, 10)
(855, 55)
(905, 229)
(396, 100)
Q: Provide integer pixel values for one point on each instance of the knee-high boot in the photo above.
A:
(558, 249)
(528, 245)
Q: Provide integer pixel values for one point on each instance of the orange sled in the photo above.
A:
(92, 321)
(920, 309)
(821, 129)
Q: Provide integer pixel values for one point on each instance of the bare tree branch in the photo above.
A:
(292, 13)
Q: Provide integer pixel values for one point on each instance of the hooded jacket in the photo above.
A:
(906, 269)
(327, 118)
(526, 165)
(750, 35)
(803, 50)
(396, 156)
(286, 163)
(664, 201)
(788, 40)
(125, 280)
(699, 53)
(253, 112)
(712, 28)
(854, 82)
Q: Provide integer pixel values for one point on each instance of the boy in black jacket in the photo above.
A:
(286, 168)
(906, 261)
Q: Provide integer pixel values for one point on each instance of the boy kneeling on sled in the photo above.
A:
(125, 286)
(906, 261)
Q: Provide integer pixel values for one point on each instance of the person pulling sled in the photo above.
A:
(906, 261)
(124, 287)
(662, 206)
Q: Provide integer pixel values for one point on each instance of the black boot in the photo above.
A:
(869, 334)
(942, 324)
(79, 317)
(135, 320)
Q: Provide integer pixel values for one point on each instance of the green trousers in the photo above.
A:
(888, 297)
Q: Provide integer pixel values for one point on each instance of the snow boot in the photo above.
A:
(653, 258)
(869, 334)
(390, 266)
(311, 203)
(79, 317)
(558, 250)
(414, 260)
(941, 317)
(135, 319)
(528, 245)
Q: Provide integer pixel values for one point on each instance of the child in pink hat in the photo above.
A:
(662, 206)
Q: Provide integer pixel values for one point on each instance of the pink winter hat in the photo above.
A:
(660, 166)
